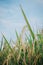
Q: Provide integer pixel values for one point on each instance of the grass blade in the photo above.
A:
(17, 37)
(8, 44)
(29, 27)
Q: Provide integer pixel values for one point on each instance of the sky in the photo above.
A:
(11, 17)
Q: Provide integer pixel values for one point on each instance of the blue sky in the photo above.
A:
(11, 16)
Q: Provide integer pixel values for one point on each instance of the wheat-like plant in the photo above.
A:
(29, 52)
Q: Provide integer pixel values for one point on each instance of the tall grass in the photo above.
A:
(29, 52)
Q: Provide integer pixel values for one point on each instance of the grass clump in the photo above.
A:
(29, 52)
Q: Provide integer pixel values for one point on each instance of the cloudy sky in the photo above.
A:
(11, 16)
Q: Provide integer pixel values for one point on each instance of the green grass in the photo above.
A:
(23, 53)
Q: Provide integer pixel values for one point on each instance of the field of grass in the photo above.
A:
(29, 52)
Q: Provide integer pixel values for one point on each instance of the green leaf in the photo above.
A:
(1, 45)
(29, 27)
(18, 38)
(8, 44)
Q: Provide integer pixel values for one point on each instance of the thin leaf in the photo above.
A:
(29, 27)
(8, 44)
(17, 37)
